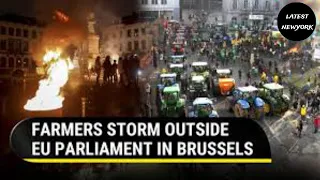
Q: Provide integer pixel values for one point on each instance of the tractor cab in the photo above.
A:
(246, 103)
(222, 81)
(276, 100)
(200, 68)
(197, 83)
(167, 80)
(202, 107)
(177, 68)
(172, 105)
(177, 59)
(178, 48)
(171, 95)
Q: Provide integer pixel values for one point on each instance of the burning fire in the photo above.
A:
(61, 16)
(48, 95)
(293, 50)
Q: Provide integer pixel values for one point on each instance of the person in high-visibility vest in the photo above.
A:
(276, 79)
(303, 112)
(263, 77)
(163, 71)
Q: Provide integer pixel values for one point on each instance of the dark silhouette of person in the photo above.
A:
(106, 69)
(114, 75)
(97, 68)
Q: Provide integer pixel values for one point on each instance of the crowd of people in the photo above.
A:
(123, 71)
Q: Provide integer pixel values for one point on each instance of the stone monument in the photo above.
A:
(93, 40)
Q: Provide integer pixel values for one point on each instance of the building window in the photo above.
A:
(19, 63)
(3, 45)
(136, 45)
(120, 48)
(129, 46)
(34, 34)
(163, 2)
(256, 4)
(277, 5)
(268, 5)
(120, 34)
(17, 46)
(11, 31)
(26, 63)
(129, 33)
(235, 4)
(136, 32)
(25, 33)
(3, 30)
(143, 31)
(25, 47)
(245, 4)
(11, 62)
(154, 1)
(144, 2)
(18, 32)
(10, 45)
(143, 44)
(3, 62)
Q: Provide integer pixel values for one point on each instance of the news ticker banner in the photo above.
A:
(139, 140)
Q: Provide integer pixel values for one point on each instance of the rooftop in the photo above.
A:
(14, 18)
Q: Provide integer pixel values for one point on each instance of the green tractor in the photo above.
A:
(172, 105)
(178, 59)
(275, 101)
(197, 87)
(200, 68)
(180, 70)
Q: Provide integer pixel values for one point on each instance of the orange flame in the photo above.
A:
(61, 16)
(48, 95)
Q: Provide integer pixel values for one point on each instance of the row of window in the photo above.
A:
(130, 33)
(255, 5)
(153, 2)
(18, 32)
(14, 45)
(16, 62)
(135, 46)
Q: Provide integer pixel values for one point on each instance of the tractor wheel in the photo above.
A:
(182, 113)
(216, 91)
(259, 113)
(267, 108)
(238, 111)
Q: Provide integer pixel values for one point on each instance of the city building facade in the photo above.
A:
(260, 13)
(137, 38)
(212, 7)
(153, 9)
(18, 35)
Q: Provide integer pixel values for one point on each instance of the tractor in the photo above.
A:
(179, 69)
(244, 102)
(165, 80)
(202, 107)
(276, 101)
(200, 69)
(172, 105)
(177, 59)
(197, 87)
(222, 82)
(178, 49)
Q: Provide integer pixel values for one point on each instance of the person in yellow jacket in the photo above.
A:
(164, 70)
(276, 79)
(303, 112)
(263, 77)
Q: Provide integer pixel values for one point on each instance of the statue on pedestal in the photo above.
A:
(91, 23)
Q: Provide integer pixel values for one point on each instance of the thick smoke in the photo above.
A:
(59, 34)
